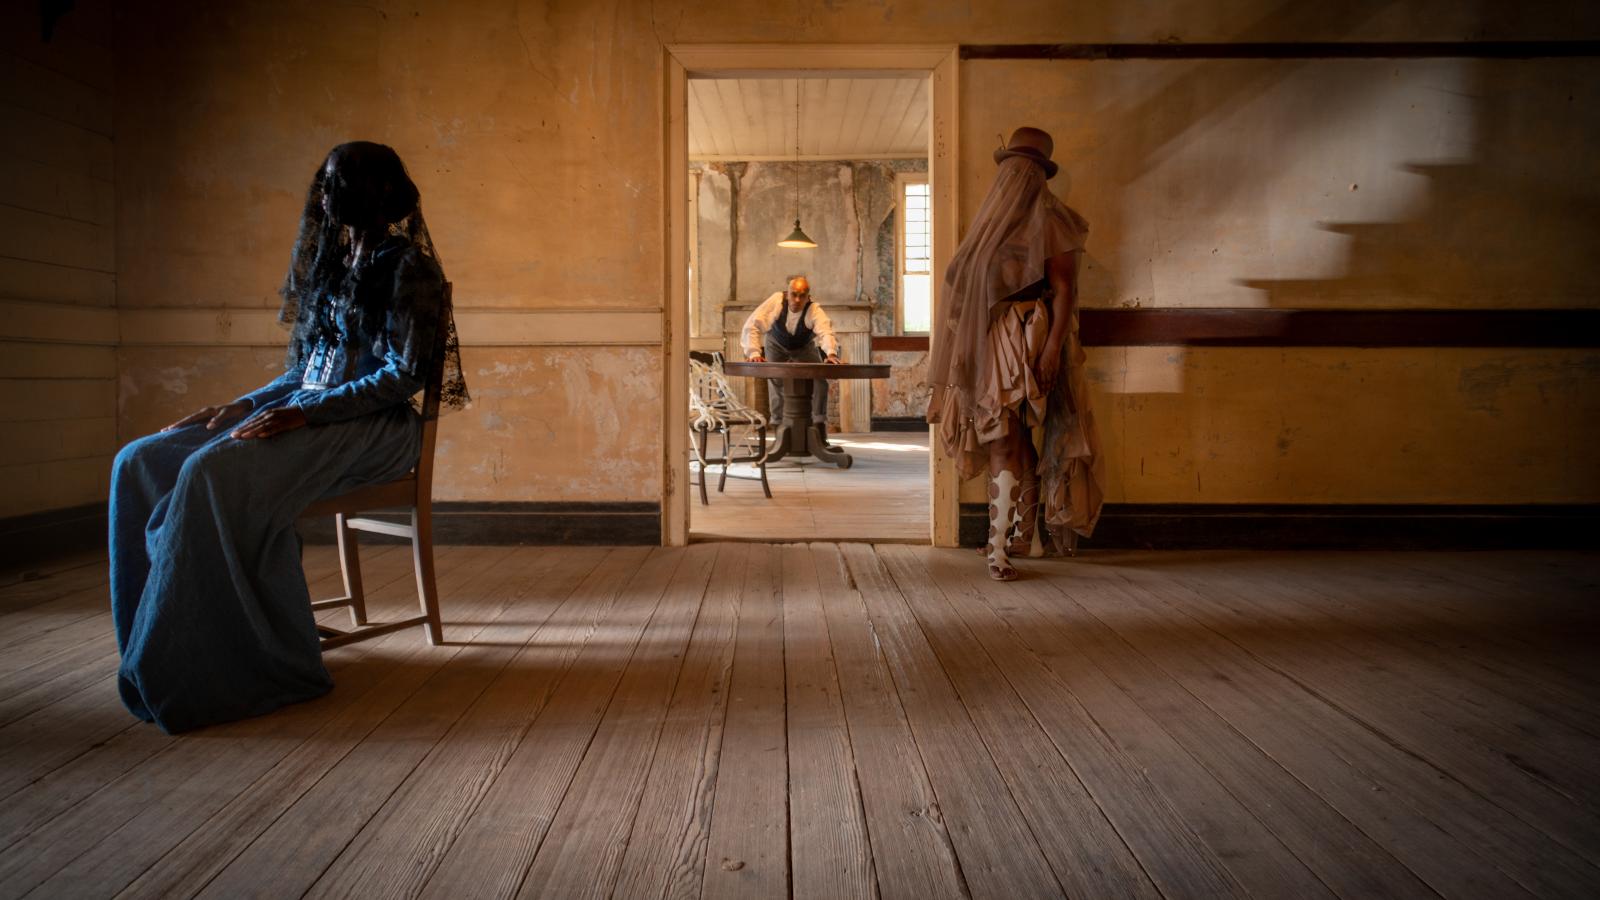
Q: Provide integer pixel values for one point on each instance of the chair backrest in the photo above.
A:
(712, 399)
(703, 396)
(430, 400)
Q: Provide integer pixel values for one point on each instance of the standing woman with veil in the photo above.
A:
(1010, 394)
(212, 614)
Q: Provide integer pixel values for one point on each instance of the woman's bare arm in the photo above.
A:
(1061, 270)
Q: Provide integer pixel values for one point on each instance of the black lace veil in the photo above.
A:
(368, 182)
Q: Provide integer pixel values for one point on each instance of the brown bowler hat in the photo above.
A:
(1033, 144)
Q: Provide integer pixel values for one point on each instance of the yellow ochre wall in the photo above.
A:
(58, 326)
(1348, 184)
(535, 131)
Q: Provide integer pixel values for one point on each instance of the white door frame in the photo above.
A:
(939, 63)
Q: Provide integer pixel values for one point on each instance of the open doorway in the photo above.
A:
(795, 71)
(810, 241)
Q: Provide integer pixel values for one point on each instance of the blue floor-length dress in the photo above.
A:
(212, 613)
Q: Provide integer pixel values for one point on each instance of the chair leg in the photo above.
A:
(700, 442)
(422, 557)
(350, 566)
(765, 488)
(727, 454)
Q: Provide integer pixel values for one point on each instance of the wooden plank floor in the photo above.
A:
(883, 496)
(847, 720)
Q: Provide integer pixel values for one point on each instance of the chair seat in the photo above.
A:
(734, 419)
(413, 493)
(400, 492)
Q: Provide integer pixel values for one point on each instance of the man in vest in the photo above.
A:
(789, 327)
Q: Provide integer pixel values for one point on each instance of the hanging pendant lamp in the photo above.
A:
(797, 239)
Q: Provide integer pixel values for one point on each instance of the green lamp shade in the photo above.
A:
(798, 239)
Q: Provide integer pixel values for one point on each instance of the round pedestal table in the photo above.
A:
(797, 434)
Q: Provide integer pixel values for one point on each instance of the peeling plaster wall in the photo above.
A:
(160, 384)
(545, 422)
(556, 422)
(534, 131)
(848, 208)
(903, 394)
(57, 259)
(714, 211)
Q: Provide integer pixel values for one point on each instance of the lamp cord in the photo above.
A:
(797, 151)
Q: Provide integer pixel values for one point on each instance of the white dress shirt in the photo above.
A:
(755, 327)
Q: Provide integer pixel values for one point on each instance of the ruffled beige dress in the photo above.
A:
(984, 380)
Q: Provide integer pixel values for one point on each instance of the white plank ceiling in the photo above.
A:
(840, 118)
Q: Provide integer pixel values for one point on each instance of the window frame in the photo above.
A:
(902, 179)
(697, 328)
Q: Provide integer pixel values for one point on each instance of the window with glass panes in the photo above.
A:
(916, 255)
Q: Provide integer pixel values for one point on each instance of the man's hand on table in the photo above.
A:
(833, 360)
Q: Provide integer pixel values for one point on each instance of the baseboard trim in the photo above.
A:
(1294, 526)
(29, 539)
(526, 523)
(899, 423)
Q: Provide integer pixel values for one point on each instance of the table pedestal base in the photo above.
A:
(798, 435)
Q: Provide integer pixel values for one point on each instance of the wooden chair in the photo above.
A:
(715, 408)
(413, 491)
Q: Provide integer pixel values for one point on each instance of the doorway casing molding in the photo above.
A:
(937, 62)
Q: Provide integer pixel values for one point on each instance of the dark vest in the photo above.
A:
(802, 335)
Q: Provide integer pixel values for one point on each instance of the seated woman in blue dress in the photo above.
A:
(213, 616)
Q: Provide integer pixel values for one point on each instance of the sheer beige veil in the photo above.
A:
(1019, 227)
